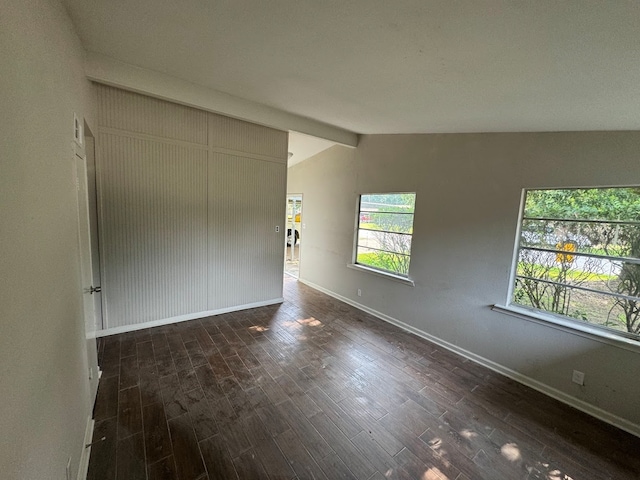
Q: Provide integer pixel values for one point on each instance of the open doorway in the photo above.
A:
(294, 235)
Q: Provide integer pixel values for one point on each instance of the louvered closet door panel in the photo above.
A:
(153, 229)
(245, 252)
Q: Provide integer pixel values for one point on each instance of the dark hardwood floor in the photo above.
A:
(315, 389)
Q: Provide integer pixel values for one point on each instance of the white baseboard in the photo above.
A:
(184, 318)
(581, 405)
(83, 468)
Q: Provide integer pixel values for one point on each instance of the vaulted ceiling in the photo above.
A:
(392, 66)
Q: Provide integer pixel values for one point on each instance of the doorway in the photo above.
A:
(294, 235)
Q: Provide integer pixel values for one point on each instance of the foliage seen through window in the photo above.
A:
(385, 227)
(579, 256)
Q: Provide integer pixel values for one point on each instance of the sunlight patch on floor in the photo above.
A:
(258, 328)
(437, 446)
(312, 322)
(511, 452)
(547, 472)
(435, 443)
(557, 475)
(468, 434)
(292, 324)
(434, 473)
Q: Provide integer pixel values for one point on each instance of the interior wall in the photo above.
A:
(189, 203)
(45, 393)
(468, 197)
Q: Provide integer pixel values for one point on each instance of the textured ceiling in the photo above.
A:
(381, 66)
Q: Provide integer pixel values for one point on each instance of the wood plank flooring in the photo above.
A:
(315, 389)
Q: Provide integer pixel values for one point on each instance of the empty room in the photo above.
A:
(320, 240)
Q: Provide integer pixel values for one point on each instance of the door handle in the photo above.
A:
(93, 289)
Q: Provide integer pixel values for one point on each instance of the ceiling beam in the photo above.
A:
(102, 69)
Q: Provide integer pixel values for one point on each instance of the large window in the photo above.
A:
(579, 256)
(385, 226)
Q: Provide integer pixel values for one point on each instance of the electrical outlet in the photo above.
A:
(277, 228)
(578, 377)
(359, 292)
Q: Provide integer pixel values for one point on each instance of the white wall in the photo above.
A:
(468, 193)
(189, 203)
(44, 389)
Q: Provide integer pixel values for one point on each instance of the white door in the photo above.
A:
(92, 203)
(86, 270)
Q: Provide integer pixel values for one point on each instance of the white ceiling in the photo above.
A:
(392, 66)
(302, 147)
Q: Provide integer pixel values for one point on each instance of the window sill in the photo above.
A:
(390, 276)
(574, 327)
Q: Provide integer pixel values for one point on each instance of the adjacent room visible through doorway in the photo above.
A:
(294, 235)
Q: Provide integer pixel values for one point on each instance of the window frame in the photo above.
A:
(399, 277)
(620, 338)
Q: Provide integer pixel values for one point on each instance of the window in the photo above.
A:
(579, 256)
(385, 226)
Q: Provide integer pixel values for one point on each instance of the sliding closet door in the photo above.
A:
(155, 229)
(244, 247)
(189, 202)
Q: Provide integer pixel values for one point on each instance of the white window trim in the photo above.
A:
(575, 327)
(382, 273)
(566, 324)
(376, 271)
